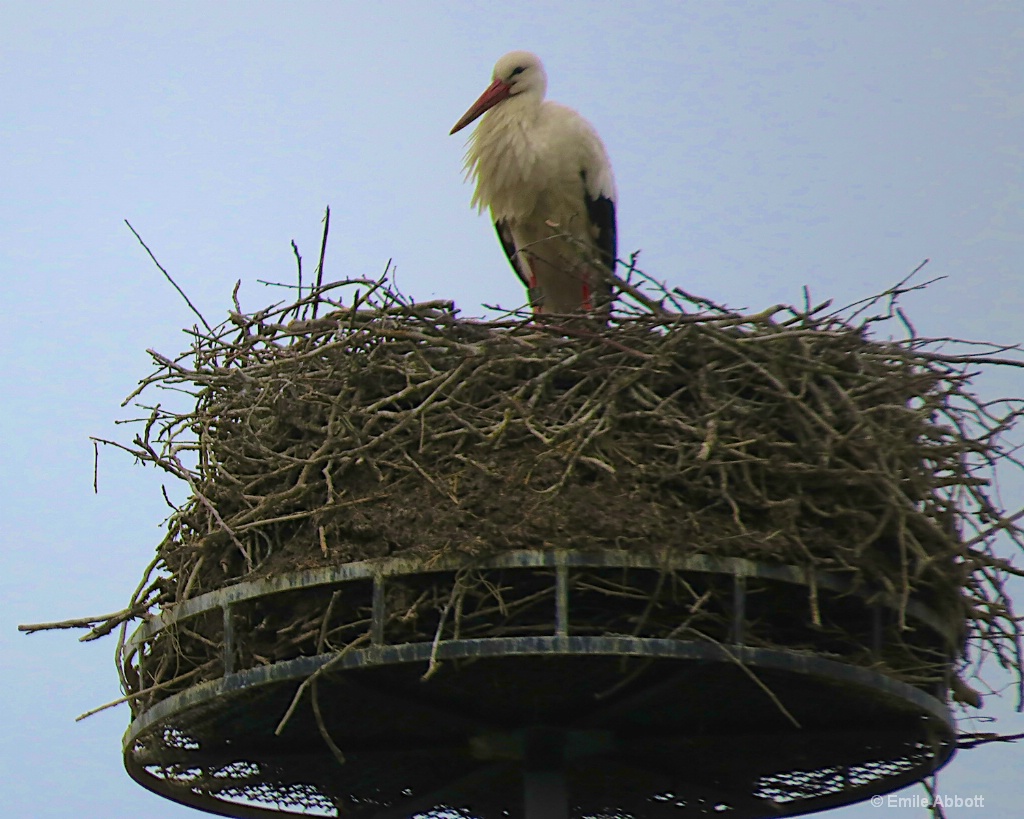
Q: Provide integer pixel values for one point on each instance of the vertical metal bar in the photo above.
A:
(229, 641)
(561, 600)
(378, 612)
(140, 651)
(739, 607)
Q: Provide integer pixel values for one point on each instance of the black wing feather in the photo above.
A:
(602, 215)
(601, 211)
(514, 259)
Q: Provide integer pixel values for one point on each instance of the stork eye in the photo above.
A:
(518, 70)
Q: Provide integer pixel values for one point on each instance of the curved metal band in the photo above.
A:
(301, 667)
(523, 559)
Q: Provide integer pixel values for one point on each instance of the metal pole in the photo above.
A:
(562, 601)
(545, 794)
(229, 641)
(377, 613)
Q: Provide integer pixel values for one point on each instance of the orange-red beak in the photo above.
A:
(495, 93)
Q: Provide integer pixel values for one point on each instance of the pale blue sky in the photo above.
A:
(758, 147)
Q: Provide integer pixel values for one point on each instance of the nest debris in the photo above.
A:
(355, 423)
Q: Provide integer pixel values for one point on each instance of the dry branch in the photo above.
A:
(354, 424)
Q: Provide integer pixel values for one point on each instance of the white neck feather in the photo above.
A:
(501, 154)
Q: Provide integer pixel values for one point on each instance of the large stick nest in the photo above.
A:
(355, 423)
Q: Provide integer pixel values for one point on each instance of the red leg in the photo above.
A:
(533, 291)
(587, 304)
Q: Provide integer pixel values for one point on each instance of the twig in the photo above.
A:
(330, 664)
(320, 264)
(168, 277)
(82, 622)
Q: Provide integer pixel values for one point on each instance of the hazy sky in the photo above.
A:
(758, 147)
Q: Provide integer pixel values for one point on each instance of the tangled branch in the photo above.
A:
(354, 423)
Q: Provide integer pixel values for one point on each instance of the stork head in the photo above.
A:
(517, 74)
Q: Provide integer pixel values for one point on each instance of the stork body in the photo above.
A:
(544, 174)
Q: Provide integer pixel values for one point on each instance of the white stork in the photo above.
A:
(542, 170)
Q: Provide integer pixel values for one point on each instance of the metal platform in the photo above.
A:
(560, 722)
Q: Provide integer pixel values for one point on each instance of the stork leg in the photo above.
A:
(586, 301)
(536, 297)
(534, 293)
